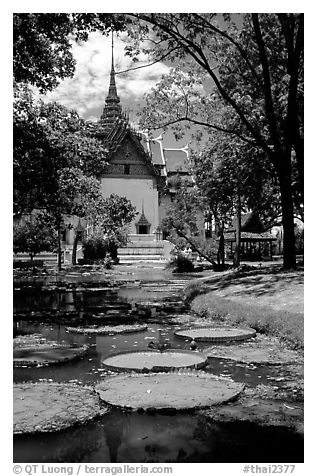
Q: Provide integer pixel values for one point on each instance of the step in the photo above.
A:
(137, 252)
(143, 258)
(147, 238)
(151, 262)
(145, 244)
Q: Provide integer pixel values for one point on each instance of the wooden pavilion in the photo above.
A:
(256, 243)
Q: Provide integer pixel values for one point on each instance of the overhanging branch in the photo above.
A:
(149, 64)
(198, 55)
(205, 124)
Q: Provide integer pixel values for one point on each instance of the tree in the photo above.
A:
(77, 195)
(56, 161)
(114, 219)
(184, 218)
(33, 236)
(42, 48)
(47, 139)
(110, 227)
(253, 65)
(56, 154)
(235, 178)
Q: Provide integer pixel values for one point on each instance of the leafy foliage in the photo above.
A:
(117, 214)
(184, 220)
(49, 143)
(111, 220)
(181, 264)
(95, 246)
(56, 162)
(34, 235)
(227, 167)
(42, 44)
(241, 75)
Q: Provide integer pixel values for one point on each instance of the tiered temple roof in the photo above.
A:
(112, 109)
(114, 128)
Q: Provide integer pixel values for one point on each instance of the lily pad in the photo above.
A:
(179, 391)
(215, 334)
(155, 361)
(106, 330)
(48, 407)
(261, 350)
(35, 350)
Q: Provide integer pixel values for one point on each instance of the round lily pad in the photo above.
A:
(261, 350)
(35, 350)
(215, 334)
(48, 407)
(155, 361)
(108, 330)
(178, 391)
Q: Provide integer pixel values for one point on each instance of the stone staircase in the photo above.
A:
(144, 248)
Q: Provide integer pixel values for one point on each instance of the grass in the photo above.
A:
(270, 301)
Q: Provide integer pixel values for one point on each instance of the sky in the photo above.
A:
(87, 90)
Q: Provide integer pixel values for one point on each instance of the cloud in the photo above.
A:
(87, 90)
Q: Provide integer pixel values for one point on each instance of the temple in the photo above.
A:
(144, 171)
(139, 168)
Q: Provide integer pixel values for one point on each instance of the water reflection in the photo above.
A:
(121, 437)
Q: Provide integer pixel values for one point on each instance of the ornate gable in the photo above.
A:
(127, 156)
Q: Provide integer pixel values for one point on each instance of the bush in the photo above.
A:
(108, 261)
(95, 248)
(181, 264)
(36, 263)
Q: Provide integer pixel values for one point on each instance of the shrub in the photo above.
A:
(108, 261)
(181, 264)
(38, 263)
(95, 248)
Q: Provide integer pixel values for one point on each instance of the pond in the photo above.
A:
(135, 437)
(121, 437)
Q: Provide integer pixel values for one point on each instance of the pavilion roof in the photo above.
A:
(250, 222)
(246, 236)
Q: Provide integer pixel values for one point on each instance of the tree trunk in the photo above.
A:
(236, 257)
(59, 250)
(289, 253)
(194, 248)
(74, 252)
(221, 249)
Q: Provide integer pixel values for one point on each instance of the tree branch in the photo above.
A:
(149, 64)
(205, 124)
(197, 54)
(195, 248)
(236, 44)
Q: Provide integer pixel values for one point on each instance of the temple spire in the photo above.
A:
(112, 87)
(112, 109)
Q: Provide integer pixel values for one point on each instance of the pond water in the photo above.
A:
(121, 437)
(134, 437)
